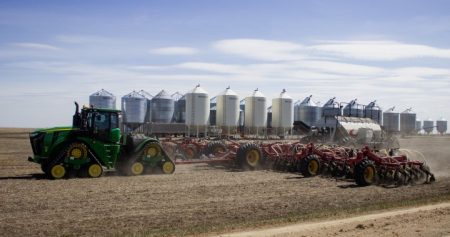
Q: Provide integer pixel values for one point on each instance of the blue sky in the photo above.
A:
(55, 52)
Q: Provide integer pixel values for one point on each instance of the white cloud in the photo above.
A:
(340, 68)
(174, 51)
(378, 50)
(305, 69)
(267, 50)
(211, 67)
(423, 72)
(36, 46)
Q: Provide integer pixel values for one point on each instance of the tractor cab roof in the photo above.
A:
(85, 108)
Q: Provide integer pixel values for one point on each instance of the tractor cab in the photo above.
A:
(101, 124)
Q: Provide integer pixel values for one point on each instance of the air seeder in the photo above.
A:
(365, 166)
(94, 141)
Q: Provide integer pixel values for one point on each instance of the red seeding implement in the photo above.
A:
(367, 167)
(364, 166)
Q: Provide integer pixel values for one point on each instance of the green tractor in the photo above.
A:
(94, 142)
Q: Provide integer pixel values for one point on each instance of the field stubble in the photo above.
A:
(195, 199)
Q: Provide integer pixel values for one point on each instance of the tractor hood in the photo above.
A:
(54, 129)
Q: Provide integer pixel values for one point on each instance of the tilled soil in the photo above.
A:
(195, 199)
(428, 220)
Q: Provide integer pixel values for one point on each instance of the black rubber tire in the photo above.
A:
(310, 166)
(291, 167)
(213, 147)
(249, 156)
(364, 177)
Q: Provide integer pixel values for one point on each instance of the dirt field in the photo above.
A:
(195, 199)
(428, 220)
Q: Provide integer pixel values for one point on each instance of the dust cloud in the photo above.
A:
(434, 150)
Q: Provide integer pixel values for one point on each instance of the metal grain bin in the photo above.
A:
(428, 126)
(353, 109)
(134, 107)
(179, 114)
(407, 121)
(418, 126)
(255, 110)
(374, 112)
(283, 112)
(180, 110)
(441, 125)
(149, 97)
(197, 107)
(103, 99)
(308, 112)
(331, 108)
(227, 108)
(163, 106)
(391, 120)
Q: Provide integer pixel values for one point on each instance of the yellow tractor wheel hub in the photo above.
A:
(168, 167)
(313, 167)
(95, 170)
(58, 171)
(253, 158)
(369, 174)
(152, 151)
(76, 153)
(137, 168)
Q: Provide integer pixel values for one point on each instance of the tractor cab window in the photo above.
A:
(114, 121)
(89, 121)
(101, 121)
(98, 121)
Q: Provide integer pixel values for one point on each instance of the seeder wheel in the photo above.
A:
(250, 156)
(190, 152)
(215, 148)
(310, 166)
(365, 173)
